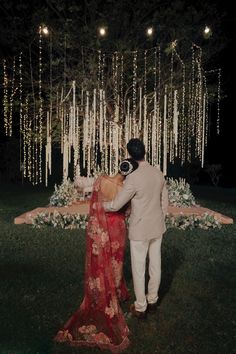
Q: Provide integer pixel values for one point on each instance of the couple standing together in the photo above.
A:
(138, 190)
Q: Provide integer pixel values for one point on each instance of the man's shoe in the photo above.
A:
(138, 314)
(151, 308)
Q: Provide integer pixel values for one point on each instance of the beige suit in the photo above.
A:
(146, 189)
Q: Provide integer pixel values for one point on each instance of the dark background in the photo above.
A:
(221, 149)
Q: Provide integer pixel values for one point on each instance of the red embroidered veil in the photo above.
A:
(99, 321)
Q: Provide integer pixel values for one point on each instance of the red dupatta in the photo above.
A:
(99, 321)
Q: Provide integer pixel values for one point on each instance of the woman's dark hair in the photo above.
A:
(136, 149)
(127, 166)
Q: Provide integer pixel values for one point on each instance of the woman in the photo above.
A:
(99, 321)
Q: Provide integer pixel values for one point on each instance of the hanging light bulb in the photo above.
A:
(102, 31)
(174, 44)
(44, 30)
(149, 31)
(207, 32)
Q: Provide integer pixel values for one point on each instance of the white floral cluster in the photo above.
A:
(184, 222)
(64, 194)
(179, 193)
(77, 221)
(56, 219)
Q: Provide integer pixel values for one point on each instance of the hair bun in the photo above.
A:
(127, 166)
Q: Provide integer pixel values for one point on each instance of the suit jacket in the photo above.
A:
(146, 189)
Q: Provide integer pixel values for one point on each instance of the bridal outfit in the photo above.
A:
(99, 321)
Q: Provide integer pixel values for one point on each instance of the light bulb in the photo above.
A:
(207, 30)
(102, 31)
(44, 30)
(149, 31)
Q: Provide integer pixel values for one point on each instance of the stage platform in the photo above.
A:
(82, 207)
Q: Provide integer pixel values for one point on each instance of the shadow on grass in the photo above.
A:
(171, 261)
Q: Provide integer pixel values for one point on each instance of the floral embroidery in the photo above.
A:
(109, 311)
(95, 249)
(94, 283)
(115, 245)
(112, 309)
(104, 237)
(98, 338)
(87, 329)
(63, 336)
(117, 271)
(97, 233)
(101, 338)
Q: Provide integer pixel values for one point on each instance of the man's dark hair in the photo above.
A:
(136, 149)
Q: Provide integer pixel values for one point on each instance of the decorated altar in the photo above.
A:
(67, 211)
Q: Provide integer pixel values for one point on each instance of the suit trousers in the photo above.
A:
(139, 251)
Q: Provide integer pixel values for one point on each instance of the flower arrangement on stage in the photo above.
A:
(56, 219)
(77, 221)
(179, 193)
(64, 194)
(184, 222)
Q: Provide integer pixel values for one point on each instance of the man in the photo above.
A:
(146, 189)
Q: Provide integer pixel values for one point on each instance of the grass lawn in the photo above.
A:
(41, 282)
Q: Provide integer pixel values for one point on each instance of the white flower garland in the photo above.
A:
(64, 194)
(189, 222)
(179, 193)
(77, 221)
(56, 219)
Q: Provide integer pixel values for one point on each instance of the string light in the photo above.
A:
(12, 96)
(174, 44)
(102, 31)
(134, 91)
(159, 125)
(218, 103)
(171, 123)
(182, 120)
(25, 132)
(44, 30)
(20, 89)
(122, 85)
(149, 31)
(5, 99)
(207, 32)
(40, 108)
(99, 68)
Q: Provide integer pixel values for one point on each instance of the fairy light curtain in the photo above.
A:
(148, 94)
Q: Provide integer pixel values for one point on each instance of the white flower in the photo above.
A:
(180, 193)
(64, 194)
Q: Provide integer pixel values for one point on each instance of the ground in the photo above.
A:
(41, 272)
